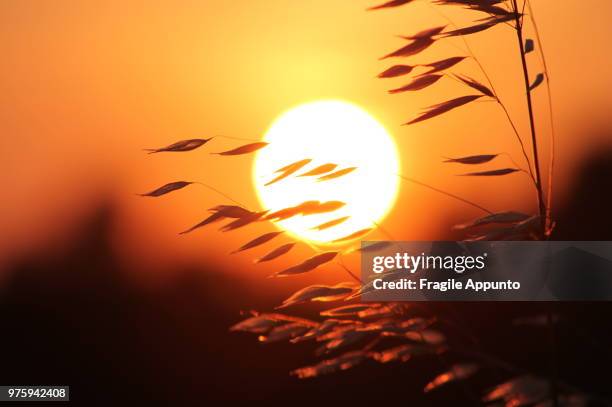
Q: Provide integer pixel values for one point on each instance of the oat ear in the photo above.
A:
(167, 188)
(444, 107)
(472, 159)
(258, 241)
(279, 251)
(395, 71)
(421, 82)
(181, 146)
(245, 149)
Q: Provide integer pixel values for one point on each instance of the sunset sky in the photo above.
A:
(86, 85)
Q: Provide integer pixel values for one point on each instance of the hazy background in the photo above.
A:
(96, 280)
(85, 85)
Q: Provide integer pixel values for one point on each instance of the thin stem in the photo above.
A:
(238, 138)
(541, 204)
(475, 205)
(388, 235)
(518, 137)
(551, 118)
(513, 162)
(350, 273)
(520, 168)
(384, 231)
(219, 192)
(534, 140)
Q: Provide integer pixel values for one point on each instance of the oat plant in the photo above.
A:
(349, 333)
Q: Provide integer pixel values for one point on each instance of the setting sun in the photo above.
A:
(322, 203)
(343, 154)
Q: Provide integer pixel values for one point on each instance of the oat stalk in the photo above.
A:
(534, 138)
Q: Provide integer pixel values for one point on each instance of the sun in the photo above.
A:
(336, 136)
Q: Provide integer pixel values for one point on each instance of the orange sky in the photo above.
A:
(85, 85)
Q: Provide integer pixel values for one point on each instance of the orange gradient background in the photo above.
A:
(86, 85)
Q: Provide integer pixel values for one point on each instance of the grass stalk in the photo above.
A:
(542, 206)
(551, 164)
(458, 198)
(534, 140)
